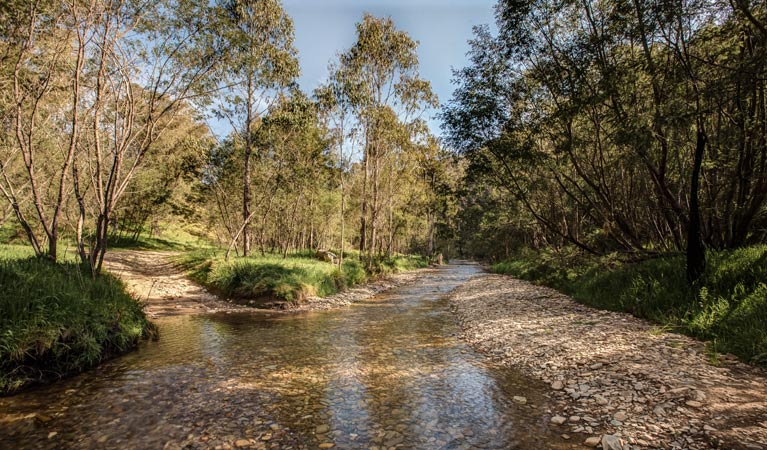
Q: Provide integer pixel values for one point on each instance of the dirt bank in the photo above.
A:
(614, 374)
(161, 285)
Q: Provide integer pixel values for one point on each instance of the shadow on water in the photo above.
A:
(387, 372)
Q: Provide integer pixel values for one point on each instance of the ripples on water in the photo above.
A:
(388, 372)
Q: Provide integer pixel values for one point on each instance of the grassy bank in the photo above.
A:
(170, 237)
(292, 279)
(56, 320)
(727, 308)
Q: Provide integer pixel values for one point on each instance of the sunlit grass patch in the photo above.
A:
(55, 319)
(292, 278)
(171, 236)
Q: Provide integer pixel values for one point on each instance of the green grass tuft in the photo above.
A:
(292, 279)
(56, 320)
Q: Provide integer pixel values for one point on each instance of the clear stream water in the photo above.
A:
(387, 372)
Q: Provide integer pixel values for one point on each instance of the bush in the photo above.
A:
(291, 279)
(56, 320)
(728, 306)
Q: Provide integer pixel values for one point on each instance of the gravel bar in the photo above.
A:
(618, 381)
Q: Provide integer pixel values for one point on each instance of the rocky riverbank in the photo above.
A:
(617, 381)
(363, 291)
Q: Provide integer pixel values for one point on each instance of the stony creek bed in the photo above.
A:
(613, 374)
(387, 372)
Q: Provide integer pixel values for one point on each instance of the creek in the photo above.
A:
(387, 372)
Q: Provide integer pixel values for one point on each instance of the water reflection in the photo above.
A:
(389, 372)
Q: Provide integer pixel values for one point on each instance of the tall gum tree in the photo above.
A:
(336, 115)
(261, 62)
(378, 78)
(43, 45)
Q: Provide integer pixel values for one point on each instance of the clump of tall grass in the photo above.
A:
(291, 279)
(56, 320)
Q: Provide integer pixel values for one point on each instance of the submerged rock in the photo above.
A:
(592, 441)
(610, 442)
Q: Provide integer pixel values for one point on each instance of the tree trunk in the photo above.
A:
(246, 196)
(364, 213)
(696, 252)
(430, 218)
(343, 225)
(374, 244)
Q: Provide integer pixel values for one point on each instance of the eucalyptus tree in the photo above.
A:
(36, 52)
(167, 187)
(261, 62)
(433, 173)
(298, 151)
(292, 169)
(95, 85)
(378, 77)
(336, 114)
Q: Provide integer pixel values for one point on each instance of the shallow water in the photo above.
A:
(387, 372)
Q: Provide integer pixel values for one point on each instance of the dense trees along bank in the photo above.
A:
(619, 126)
(602, 134)
(107, 118)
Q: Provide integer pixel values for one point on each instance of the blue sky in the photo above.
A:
(326, 27)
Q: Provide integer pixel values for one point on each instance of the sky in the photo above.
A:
(325, 28)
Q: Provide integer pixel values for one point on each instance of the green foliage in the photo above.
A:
(399, 263)
(292, 279)
(543, 269)
(166, 189)
(727, 307)
(15, 251)
(11, 234)
(67, 251)
(354, 273)
(583, 129)
(56, 320)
